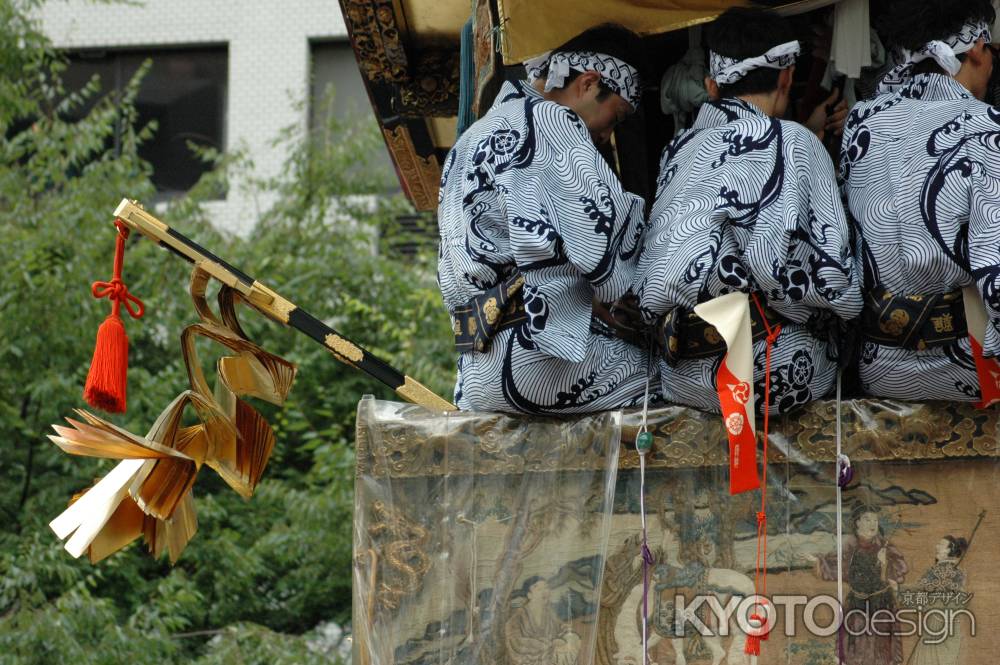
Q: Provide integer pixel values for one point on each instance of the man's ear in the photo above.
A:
(712, 88)
(785, 79)
(588, 83)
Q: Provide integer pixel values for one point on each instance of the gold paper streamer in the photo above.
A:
(148, 493)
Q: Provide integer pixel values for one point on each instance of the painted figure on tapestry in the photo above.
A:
(873, 569)
(748, 202)
(535, 634)
(942, 586)
(920, 170)
(687, 565)
(535, 228)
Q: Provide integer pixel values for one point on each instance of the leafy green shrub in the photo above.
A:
(260, 575)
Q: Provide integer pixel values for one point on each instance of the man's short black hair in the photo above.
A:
(747, 32)
(610, 39)
(910, 25)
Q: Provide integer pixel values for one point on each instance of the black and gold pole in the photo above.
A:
(279, 309)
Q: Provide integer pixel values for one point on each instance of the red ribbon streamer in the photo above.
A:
(988, 370)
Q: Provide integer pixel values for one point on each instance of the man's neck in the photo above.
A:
(969, 82)
(557, 95)
(765, 102)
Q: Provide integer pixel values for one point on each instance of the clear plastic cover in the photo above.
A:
(484, 538)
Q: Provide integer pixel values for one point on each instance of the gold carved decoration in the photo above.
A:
(376, 39)
(418, 393)
(344, 348)
(433, 88)
(421, 175)
(270, 303)
(486, 57)
(873, 430)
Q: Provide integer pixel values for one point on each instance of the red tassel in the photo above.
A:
(105, 387)
(756, 635)
(108, 376)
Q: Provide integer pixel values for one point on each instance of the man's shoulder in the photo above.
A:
(798, 134)
(793, 135)
(547, 117)
(984, 111)
(555, 120)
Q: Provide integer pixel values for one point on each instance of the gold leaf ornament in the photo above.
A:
(149, 492)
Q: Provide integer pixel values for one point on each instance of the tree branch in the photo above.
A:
(199, 633)
(29, 463)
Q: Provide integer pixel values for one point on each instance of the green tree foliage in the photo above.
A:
(262, 575)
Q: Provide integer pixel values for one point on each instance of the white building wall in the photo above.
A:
(268, 63)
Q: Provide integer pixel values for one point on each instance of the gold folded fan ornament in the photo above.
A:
(149, 492)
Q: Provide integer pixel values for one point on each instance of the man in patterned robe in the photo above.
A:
(535, 227)
(747, 202)
(920, 169)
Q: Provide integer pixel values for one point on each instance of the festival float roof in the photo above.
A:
(408, 53)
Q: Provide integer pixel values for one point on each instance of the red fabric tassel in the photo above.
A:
(106, 381)
(108, 376)
(757, 635)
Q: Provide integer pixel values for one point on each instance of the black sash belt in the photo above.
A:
(682, 334)
(502, 307)
(913, 322)
(482, 318)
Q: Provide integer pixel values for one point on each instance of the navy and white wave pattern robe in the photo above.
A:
(920, 171)
(749, 203)
(525, 188)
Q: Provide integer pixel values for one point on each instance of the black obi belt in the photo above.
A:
(913, 322)
(480, 320)
(682, 334)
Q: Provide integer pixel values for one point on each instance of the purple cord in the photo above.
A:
(846, 475)
(843, 480)
(647, 561)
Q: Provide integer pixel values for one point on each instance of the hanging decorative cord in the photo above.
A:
(107, 379)
(473, 569)
(643, 444)
(758, 616)
(844, 474)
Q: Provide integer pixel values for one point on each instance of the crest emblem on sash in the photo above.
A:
(740, 391)
(734, 423)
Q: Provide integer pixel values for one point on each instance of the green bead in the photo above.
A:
(644, 442)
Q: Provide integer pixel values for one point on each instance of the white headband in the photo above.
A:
(944, 52)
(621, 77)
(725, 70)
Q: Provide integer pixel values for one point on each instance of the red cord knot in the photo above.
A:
(772, 336)
(761, 517)
(116, 291)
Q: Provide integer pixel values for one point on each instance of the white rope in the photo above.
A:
(841, 459)
(642, 512)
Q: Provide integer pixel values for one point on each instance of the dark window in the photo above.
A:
(337, 90)
(184, 92)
